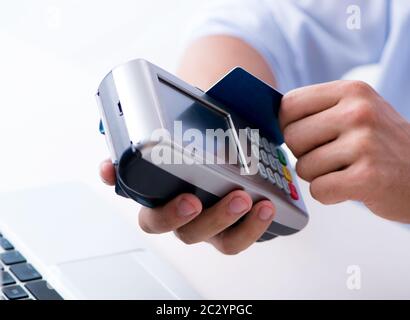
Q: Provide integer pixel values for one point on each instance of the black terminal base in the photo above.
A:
(151, 186)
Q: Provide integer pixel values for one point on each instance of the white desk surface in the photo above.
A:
(52, 60)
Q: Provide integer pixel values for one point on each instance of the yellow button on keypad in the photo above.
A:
(287, 174)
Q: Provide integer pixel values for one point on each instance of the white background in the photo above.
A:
(53, 55)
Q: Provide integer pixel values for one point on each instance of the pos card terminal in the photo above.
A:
(167, 137)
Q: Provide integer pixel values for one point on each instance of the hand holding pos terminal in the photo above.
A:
(137, 99)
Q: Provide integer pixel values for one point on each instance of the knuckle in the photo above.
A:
(288, 99)
(361, 113)
(315, 191)
(228, 248)
(302, 169)
(185, 236)
(357, 88)
(158, 225)
(144, 225)
(291, 138)
(286, 106)
(319, 193)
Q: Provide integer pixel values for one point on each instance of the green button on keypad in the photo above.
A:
(281, 157)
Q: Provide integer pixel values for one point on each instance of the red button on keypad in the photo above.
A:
(293, 192)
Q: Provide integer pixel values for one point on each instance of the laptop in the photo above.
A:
(66, 242)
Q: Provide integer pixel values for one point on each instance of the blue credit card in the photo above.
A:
(251, 99)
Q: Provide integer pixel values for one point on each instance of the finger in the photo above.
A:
(330, 157)
(107, 172)
(217, 218)
(306, 134)
(171, 216)
(305, 101)
(241, 236)
(334, 187)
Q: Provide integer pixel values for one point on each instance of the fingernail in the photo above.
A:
(265, 213)
(238, 205)
(185, 208)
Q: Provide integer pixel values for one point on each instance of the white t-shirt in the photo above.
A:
(312, 41)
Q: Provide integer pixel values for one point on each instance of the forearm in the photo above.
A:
(208, 59)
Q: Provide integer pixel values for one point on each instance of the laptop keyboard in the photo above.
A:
(19, 279)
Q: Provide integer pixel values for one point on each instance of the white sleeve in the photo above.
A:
(303, 41)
